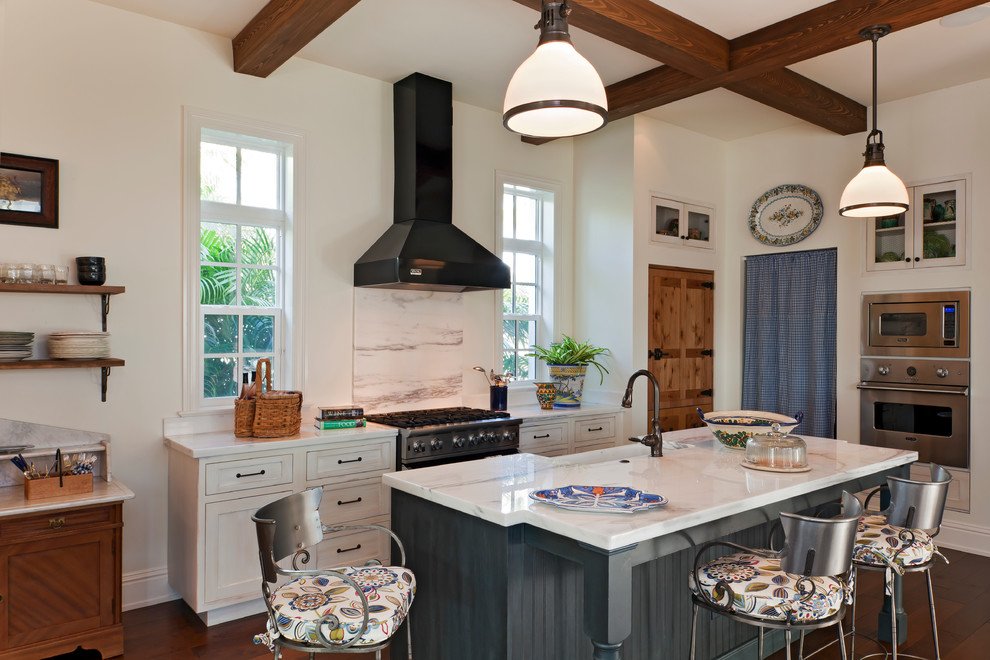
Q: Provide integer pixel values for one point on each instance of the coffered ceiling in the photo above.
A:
(690, 52)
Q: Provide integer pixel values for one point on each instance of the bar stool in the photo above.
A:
(801, 587)
(333, 610)
(899, 540)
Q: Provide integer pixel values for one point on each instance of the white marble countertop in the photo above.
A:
(224, 443)
(534, 414)
(13, 502)
(703, 481)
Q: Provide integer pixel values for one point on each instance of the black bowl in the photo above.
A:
(95, 261)
(91, 269)
(92, 278)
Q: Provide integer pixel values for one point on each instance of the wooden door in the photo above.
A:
(681, 343)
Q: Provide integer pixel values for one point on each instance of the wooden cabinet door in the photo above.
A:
(681, 342)
(57, 587)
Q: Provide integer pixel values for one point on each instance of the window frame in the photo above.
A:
(550, 193)
(288, 365)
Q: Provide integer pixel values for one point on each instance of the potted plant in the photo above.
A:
(568, 362)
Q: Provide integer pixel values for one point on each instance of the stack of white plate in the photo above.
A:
(15, 346)
(79, 345)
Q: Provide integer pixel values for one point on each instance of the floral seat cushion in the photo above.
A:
(875, 539)
(761, 589)
(299, 604)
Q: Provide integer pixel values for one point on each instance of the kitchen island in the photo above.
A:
(504, 577)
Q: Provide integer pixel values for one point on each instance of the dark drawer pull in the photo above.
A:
(537, 437)
(250, 474)
(598, 429)
(342, 550)
(340, 503)
(341, 461)
(56, 523)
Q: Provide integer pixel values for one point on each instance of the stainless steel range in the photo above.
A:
(447, 435)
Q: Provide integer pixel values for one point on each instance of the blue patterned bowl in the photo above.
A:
(734, 427)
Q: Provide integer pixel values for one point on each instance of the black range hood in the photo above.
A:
(423, 250)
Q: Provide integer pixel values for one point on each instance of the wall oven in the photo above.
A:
(916, 324)
(918, 405)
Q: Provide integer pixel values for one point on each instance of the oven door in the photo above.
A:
(931, 420)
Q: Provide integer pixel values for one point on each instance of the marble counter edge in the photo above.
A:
(224, 443)
(13, 502)
(569, 524)
(535, 414)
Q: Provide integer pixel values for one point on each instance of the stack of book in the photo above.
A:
(344, 417)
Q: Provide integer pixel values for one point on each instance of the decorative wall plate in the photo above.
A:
(785, 214)
(600, 499)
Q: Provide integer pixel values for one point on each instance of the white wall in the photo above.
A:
(102, 91)
(928, 136)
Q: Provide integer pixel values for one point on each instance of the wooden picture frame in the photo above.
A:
(28, 191)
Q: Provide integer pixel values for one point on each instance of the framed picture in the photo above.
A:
(28, 191)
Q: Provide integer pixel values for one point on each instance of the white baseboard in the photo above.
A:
(967, 538)
(144, 588)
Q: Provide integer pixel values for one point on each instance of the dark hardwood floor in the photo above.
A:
(962, 603)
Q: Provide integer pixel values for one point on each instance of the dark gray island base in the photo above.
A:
(521, 592)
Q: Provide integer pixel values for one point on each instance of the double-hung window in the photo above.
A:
(239, 281)
(526, 218)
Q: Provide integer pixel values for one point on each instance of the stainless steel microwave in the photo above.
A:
(916, 324)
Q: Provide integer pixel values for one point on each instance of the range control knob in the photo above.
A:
(459, 441)
(941, 372)
(472, 440)
(883, 370)
(419, 446)
(508, 436)
(436, 444)
(492, 437)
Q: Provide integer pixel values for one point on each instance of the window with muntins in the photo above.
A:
(244, 246)
(526, 220)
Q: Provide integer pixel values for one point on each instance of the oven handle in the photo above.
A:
(963, 391)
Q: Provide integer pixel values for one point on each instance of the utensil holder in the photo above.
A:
(498, 396)
(69, 484)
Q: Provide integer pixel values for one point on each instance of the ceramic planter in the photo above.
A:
(569, 379)
(546, 394)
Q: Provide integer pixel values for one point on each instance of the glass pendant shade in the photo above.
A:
(874, 192)
(556, 92)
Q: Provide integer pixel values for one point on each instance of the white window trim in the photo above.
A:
(549, 273)
(289, 373)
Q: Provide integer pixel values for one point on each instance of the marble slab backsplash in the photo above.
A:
(45, 439)
(407, 349)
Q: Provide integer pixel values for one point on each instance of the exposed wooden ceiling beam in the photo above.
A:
(280, 30)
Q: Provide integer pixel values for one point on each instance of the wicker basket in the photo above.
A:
(277, 413)
(244, 418)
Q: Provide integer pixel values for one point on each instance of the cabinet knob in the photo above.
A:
(907, 259)
(56, 523)
(917, 258)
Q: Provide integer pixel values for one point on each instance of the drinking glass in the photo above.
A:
(45, 274)
(25, 273)
(8, 273)
(61, 274)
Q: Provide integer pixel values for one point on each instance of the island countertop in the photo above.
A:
(702, 481)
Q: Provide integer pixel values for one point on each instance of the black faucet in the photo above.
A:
(652, 440)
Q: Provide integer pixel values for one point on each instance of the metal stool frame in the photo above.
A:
(812, 547)
(914, 505)
(289, 527)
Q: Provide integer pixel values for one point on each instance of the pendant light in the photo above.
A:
(555, 92)
(875, 191)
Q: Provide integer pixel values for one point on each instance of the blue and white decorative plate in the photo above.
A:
(785, 214)
(600, 499)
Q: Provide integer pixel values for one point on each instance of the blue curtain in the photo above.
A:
(789, 358)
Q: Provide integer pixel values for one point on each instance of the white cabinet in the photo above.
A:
(681, 223)
(931, 233)
(212, 544)
(569, 435)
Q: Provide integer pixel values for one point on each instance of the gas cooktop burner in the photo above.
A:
(411, 419)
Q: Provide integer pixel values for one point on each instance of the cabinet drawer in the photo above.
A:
(353, 548)
(594, 430)
(378, 457)
(56, 522)
(248, 473)
(352, 502)
(535, 439)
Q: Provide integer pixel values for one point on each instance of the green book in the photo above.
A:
(325, 424)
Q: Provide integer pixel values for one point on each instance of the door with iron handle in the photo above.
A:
(656, 354)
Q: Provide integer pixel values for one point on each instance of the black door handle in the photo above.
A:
(708, 352)
(656, 354)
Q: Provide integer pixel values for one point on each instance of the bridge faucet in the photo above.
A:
(652, 440)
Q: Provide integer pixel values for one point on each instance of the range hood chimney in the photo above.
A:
(423, 250)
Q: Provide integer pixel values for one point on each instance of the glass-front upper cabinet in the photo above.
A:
(931, 233)
(680, 223)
